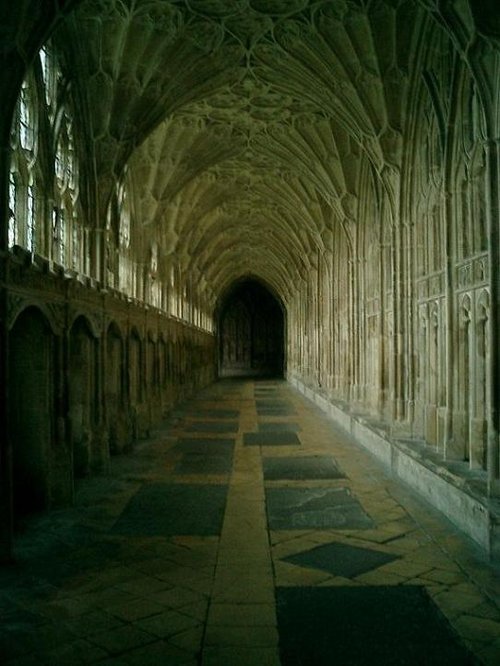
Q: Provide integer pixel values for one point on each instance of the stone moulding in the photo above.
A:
(474, 514)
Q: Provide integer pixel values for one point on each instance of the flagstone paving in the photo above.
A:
(247, 531)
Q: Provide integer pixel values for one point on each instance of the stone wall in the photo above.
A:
(90, 372)
(398, 322)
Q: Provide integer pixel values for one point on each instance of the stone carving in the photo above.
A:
(15, 304)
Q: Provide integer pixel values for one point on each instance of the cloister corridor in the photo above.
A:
(250, 332)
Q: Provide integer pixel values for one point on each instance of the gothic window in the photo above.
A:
(65, 166)
(76, 245)
(59, 164)
(31, 218)
(59, 234)
(66, 227)
(26, 118)
(154, 260)
(23, 170)
(124, 213)
(50, 75)
(38, 108)
(12, 209)
(128, 279)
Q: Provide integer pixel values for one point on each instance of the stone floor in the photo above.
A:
(247, 531)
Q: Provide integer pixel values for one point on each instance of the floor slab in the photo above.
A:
(303, 467)
(277, 438)
(342, 559)
(315, 508)
(202, 445)
(166, 509)
(203, 463)
(184, 553)
(278, 426)
(212, 426)
(380, 626)
(206, 413)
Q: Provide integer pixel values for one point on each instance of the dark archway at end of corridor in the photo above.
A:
(251, 326)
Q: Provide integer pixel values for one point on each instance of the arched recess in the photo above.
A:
(251, 327)
(31, 418)
(82, 394)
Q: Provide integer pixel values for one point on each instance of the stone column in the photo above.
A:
(100, 268)
(395, 333)
(11, 74)
(100, 436)
(61, 468)
(493, 454)
(451, 448)
(6, 507)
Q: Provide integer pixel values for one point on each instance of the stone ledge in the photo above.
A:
(472, 512)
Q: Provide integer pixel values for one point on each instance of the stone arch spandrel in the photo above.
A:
(92, 322)
(20, 304)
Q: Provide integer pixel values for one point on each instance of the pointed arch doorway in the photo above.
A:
(251, 326)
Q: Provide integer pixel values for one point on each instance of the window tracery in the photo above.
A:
(26, 127)
(31, 218)
(23, 169)
(124, 214)
(43, 199)
(12, 232)
(50, 75)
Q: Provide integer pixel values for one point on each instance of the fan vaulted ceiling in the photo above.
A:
(243, 125)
